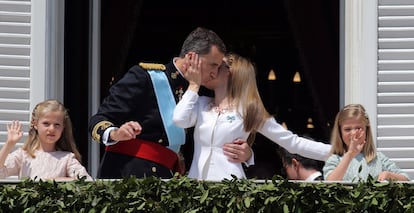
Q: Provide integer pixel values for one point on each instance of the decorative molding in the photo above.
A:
(360, 62)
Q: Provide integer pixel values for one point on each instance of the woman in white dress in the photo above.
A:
(235, 112)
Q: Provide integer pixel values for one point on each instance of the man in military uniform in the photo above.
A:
(130, 120)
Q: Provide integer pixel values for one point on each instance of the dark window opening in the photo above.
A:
(286, 36)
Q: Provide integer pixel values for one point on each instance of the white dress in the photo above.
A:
(45, 165)
(214, 129)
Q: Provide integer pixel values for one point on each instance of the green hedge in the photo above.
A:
(181, 194)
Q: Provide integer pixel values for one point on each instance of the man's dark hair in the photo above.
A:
(201, 40)
(306, 162)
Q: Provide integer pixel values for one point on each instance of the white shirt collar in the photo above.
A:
(313, 176)
(176, 67)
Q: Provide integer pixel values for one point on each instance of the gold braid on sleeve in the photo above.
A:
(99, 128)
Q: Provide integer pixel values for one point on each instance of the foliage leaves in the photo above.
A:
(181, 194)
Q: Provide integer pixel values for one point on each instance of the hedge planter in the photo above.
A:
(181, 194)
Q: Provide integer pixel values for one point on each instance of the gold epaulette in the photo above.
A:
(151, 66)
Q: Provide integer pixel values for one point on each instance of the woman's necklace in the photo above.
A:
(221, 109)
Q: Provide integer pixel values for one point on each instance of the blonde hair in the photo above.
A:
(65, 143)
(243, 93)
(352, 111)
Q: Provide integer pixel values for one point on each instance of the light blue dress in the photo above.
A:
(374, 168)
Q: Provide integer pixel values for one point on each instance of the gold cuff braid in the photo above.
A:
(100, 127)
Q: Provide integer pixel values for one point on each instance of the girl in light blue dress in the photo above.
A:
(354, 156)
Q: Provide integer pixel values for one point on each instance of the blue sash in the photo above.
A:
(166, 104)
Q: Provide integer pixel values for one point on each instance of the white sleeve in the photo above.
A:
(250, 162)
(293, 143)
(185, 113)
(105, 137)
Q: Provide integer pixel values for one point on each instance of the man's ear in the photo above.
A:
(295, 163)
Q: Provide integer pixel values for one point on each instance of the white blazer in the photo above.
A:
(214, 129)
